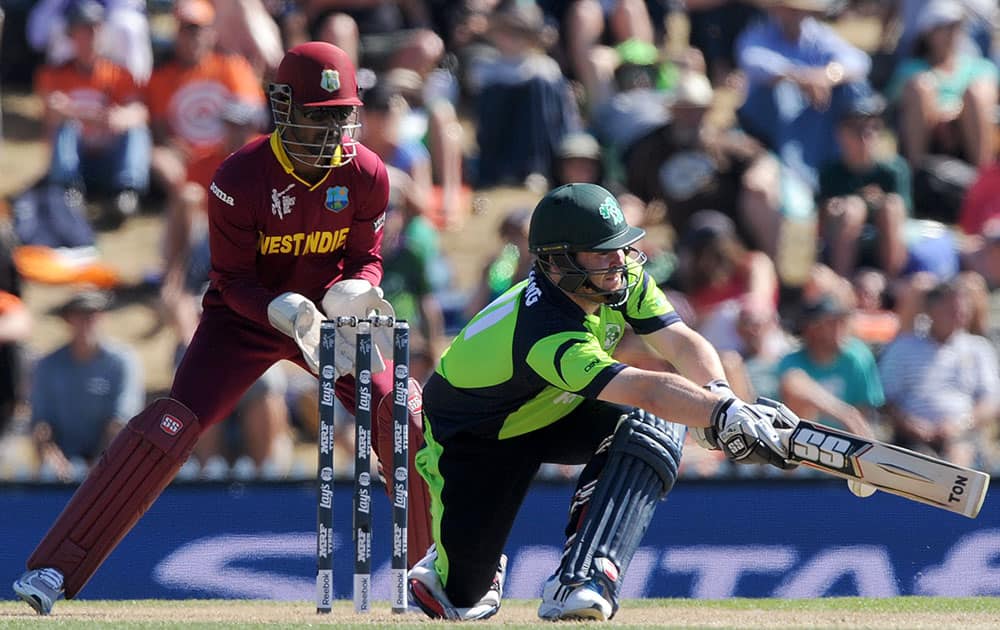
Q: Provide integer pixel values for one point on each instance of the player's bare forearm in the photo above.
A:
(692, 355)
(670, 396)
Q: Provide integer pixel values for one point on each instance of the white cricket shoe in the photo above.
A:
(428, 593)
(41, 588)
(574, 601)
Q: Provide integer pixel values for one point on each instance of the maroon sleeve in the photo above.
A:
(363, 250)
(232, 238)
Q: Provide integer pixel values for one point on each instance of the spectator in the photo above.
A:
(587, 24)
(941, 382)
(186, 97)
(578, 159)
(83, 392)
(833, 378)
(718, 273)
(124, 38)
(409, 251)
(872, 322)
(715, 25)
(96, 120)
(432, 120)
(752, 370)
(901, 32)
(689, 164)
(983, 254)
(303, 404)
(250, 33)
(981, 203)
(640, 105)
(863, 199)
(511, 264)
(800, 75)
(522, 94)
(381, 35)
(16, 324)
(383, 115)
(186, 267)
(945, 96)
(261, 431)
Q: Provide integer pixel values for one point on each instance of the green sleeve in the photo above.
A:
(648, 309)
(573, 361)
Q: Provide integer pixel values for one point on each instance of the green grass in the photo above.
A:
(897, 613)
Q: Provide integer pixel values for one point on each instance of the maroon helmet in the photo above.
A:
(319, 81)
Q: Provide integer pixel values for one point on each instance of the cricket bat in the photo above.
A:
(889, 468)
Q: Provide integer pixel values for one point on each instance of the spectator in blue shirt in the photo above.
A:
(833, 378)
(800, 74)
(83, 392)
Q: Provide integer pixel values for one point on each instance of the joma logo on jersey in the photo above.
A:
(336, 198)
(612, 334)
(302, 243)
(218, 192)
(282, 204)
(611, 211)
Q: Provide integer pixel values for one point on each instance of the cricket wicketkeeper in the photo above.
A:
(295, 227)
(531, 380)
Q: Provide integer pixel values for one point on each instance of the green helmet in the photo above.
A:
(582, 218)
(579, 218)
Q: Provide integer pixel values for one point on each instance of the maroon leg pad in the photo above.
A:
(133, 471)
(419, 533)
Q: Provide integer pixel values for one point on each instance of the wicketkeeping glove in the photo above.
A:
(754, 433)
(296, 316)
(358, 298)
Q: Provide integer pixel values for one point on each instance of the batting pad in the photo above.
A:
(419, 534)
(131, 474)
(640, 470)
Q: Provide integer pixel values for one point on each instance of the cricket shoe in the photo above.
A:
(428, 593)
(592, 599)
(41, 588)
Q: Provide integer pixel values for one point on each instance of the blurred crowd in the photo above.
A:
(819, 181)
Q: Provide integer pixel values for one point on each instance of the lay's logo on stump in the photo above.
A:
(171, 425)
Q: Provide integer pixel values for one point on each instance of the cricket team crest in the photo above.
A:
(612, 334)
(330, 81)
(336, 198)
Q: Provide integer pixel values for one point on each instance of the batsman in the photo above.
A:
(295, 226)
(531, 379)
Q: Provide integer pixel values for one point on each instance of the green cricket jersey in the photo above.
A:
(532, 355)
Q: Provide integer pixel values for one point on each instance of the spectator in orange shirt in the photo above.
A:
(186, 97)
(96, 120)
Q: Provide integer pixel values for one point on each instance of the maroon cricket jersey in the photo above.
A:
(272, 232)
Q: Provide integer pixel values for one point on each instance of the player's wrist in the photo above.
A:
(721, 387)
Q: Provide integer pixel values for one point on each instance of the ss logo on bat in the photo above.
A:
(828, 450)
